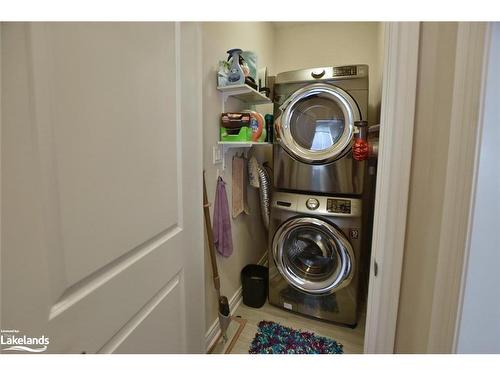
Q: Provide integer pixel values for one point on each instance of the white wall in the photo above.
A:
(249, 236)
(301, 45)
(479, 330)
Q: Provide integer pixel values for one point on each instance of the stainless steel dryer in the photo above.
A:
(313, 255)
(315, 111)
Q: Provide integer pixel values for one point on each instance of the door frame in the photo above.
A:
(471, 67)
(395, 145)
(397, 119)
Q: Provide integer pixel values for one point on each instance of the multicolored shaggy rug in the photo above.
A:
(273, 338)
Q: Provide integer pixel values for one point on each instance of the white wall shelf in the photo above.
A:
(249, 96)
(226, 146)
(244, 93)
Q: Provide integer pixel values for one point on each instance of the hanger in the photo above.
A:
(241, 155)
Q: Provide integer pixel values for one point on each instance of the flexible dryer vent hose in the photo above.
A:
(265, 194)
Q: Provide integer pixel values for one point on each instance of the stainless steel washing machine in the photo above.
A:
(315, 245)
(315, 111)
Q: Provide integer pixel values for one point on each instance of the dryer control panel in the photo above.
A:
(344, 71)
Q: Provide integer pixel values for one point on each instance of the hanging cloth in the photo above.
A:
(253, 172)
(238, 184)
(246, 207)
(223, 239)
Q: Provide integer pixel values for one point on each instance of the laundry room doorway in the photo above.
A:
(371, 67)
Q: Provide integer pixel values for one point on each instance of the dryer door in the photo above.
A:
(313, 255)
(316, 125)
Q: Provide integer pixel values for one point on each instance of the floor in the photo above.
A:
(351, 339)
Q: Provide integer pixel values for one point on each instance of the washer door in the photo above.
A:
(313, 255)
(317, 123)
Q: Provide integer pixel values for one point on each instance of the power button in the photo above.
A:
(312, 203)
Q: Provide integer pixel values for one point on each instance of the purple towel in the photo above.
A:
(222, 221)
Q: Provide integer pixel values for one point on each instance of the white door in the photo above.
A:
(102, 232)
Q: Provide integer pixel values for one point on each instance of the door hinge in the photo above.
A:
(375, 268)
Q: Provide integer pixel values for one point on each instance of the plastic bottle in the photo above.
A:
(236, 75)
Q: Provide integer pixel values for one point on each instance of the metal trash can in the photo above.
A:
(254, 281)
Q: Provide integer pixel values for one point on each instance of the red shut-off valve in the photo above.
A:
(361, 150)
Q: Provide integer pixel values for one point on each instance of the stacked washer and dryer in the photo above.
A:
(318, 240)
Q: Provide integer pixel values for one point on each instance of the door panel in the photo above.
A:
(144, 327)
(100, 219)
(92, 84)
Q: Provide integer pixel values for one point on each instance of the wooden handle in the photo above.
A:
(210, 236)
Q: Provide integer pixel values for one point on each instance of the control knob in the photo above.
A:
(312, 203)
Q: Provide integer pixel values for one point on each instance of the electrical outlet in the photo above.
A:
(217, 154)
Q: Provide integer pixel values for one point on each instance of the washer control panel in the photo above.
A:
(312, 203)
(317, 204)
(338, 206)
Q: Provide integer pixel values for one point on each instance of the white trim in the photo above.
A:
(461, 175)
(234, 302)
(1, 131)
(396, 136)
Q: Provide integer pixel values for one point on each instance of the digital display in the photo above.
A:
(345, 71)
(338, 206)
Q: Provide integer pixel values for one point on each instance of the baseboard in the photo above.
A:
(236, 299)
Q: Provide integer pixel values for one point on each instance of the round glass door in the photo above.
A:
(317, 123)
(313, 255)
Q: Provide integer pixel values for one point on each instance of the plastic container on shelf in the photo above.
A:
(247, 126)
